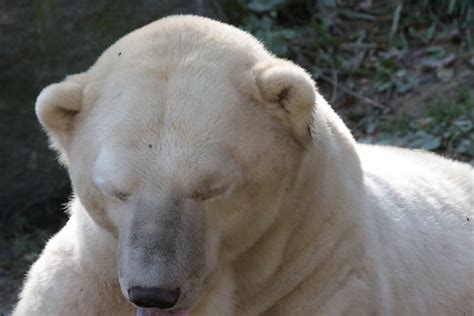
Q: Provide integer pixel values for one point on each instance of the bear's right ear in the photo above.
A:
(289, 93)
(56, 107)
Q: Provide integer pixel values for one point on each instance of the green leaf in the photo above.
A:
(426, 141)
(261, 6)
(471, 61)
(383, 85)
(430, 32)
(465, 147)
(445, 74)
(432, 144)
(464, 125)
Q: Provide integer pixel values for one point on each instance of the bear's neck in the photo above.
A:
(316, 234)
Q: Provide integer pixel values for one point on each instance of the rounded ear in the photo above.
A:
(56, 107)
(290, 92)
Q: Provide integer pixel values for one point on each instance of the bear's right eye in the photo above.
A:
(116, 195)
(108, 190)
(122, 196)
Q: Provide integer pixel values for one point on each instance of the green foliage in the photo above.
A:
(447, 127)
(370, 54)
(264, 29)
(262, 6)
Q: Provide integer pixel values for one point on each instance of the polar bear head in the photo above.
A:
(183, 135)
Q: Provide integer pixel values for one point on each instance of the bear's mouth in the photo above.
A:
(141, 311)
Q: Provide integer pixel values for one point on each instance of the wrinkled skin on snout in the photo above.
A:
(162, 246)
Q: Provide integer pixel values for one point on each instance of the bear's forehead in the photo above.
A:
(198, 98)
(185, 110)
(153, 75)
(189, 43)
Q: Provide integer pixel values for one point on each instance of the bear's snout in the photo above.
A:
(161, 257)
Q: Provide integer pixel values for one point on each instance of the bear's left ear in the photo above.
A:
(290, 93)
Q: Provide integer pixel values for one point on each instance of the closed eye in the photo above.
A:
(110, 191)
(122, 196)
(207, 193)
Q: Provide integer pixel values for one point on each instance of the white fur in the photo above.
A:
(296, 218)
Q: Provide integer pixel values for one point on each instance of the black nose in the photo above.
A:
(153, 297)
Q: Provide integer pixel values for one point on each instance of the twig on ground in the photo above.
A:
(395, 22)
(353, 93)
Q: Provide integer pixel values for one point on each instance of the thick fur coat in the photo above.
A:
(201, 162)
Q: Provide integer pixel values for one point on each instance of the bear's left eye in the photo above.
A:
(207, 193)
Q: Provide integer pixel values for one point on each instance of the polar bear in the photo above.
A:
(211, 178)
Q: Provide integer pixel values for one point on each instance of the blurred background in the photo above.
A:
(398, 72)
